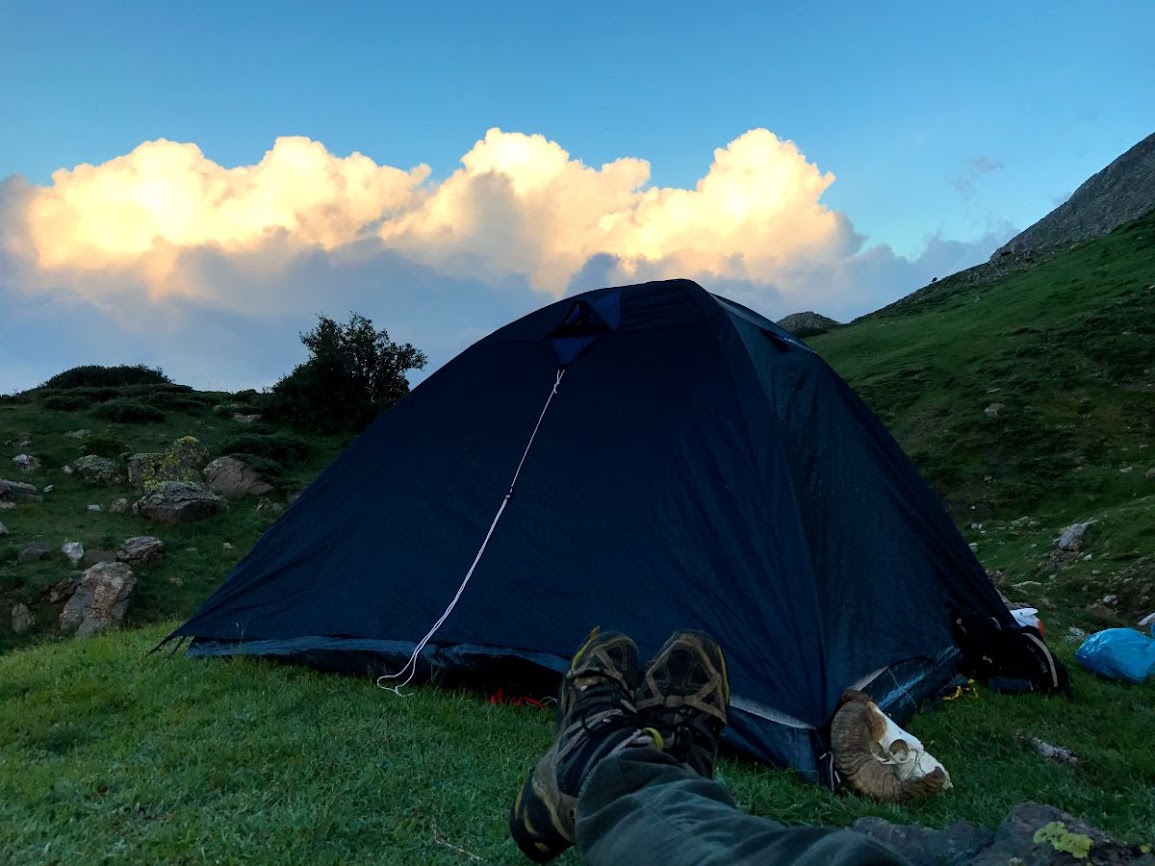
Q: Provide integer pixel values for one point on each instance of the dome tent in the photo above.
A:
(642, 458)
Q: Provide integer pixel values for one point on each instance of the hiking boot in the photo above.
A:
(596, 718)
(684, 694)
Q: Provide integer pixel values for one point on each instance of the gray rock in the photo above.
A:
(26, 462)
(78, 434)
(144, 468)
(1031, 835)
(35, 552)
(92, 507)
(100, 601)
(97, 470)
(74, 550)
(18, 492)
(140, 550)
(992, 411)
(21, 618)
(1072, 538)
(234, 478)
(3, 529)
(245, 419)
(178, 502)
(120, 506)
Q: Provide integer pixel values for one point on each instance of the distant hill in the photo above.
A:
(1123, 191)
(808, 324)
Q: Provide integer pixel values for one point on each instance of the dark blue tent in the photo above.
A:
(680, 461)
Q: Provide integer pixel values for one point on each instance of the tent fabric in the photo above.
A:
(698, 467)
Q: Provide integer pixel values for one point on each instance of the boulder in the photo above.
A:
(26, 462)
(140, 550)
(245, 419)
(144, 468)
(97, 470)
(78, 434)
(120, 506)
(1072, 538)
(74, 550)
(21, 618)
(100, 600)
(3, 529)
(17, 492)
(178, 502)
(35, 552)
(181, 461)
(231, 477)
(184, 460)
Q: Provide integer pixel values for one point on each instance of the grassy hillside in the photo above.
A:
(1028, 403)
(198, 554)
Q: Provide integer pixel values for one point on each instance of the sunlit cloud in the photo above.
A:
(166, 257)
(519, 204)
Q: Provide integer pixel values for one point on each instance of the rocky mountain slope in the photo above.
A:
(1121, 192)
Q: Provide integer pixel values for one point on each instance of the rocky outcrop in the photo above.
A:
(234, 478)
(1123, 191)
(808, 324)
(100, 601)
(178, 502)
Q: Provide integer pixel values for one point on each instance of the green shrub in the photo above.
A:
(62, 403)
(95, 375)
(128, 412)
(279, 447)
(104, 445)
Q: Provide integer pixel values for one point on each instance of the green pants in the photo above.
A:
(642, 808)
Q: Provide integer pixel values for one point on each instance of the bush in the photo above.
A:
(279, 447)
(62, 403)
(95, 375)
(128, 412)
(354, 373)
(104, 445)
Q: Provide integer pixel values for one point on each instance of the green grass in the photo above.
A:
(108, 754)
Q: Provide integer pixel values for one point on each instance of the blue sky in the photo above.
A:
(946, 128)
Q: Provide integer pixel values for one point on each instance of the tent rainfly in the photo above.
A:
(642, 458)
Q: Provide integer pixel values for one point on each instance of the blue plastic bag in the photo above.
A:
(1119, 653)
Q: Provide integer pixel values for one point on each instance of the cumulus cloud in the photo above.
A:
(519, 204)
(165, 250)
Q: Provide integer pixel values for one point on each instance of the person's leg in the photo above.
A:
(642, 807)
